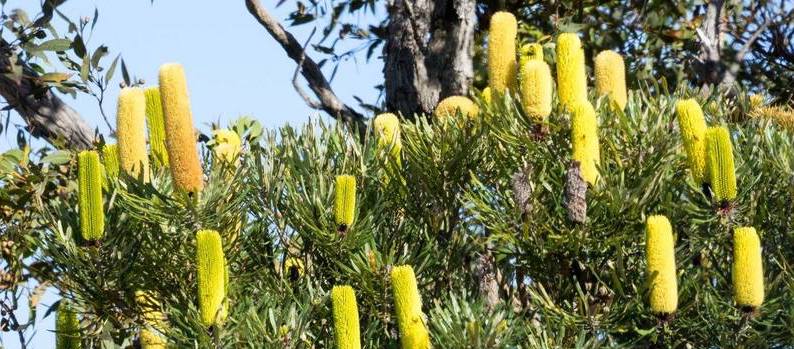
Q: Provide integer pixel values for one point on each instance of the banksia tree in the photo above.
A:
(719, 153)
(345, 309)
(571, 74)
(67, 328)
(502, 52)
(408, 305)
(584, 140)
(92, 215)
(227, 145)
(130, 131)
(536, 89)
(387, 129)
(110, 160)
(748, 270)
(156, 123)
(211, 277)
(693, 132)
(180, 139)
(660, 254)
(345, 201)
(451, 106)
(610, 77)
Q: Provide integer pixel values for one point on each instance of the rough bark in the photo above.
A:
(428, 54)
(708, 65)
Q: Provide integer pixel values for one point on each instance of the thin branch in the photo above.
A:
(306, 98)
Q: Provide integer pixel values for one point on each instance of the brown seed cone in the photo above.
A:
(575, 199)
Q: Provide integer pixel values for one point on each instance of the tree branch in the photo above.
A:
(329, 102)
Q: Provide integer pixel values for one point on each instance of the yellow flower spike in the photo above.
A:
(584, 140)
(345, 309)
(227, 144)
(67, 328)
(660, 254)
(110, 160)
(408, 305)
(748, 270)
(450, 106)
(536, 87)
(719, 153)
(154, 322)
(293, 267)
(345, 201)
(486, 96)
(180, 138)
(571, 75)
(502, 52)
(92, 214)
(156, 123)
(530, 52)
(211, 265)
(130, 131)
(387, 129)
(610, 74)
(693, 132)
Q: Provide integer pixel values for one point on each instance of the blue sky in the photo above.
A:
(233, 68)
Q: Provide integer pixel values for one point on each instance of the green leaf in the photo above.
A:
(58, 157)
(55, 45)
(112, 69)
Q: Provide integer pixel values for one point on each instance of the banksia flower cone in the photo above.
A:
(211, 277)
(227, 144)
(67, 328)
(693, 131)
(92, 215)
(154, 322)
(530, 52)
(450, 106)
(660, 252)
(345, 201)
(130, 130)
(387, 129)
(408, 305)
(487, 95)
(584, 138)
(748, 271)
(180, 139)
(719, 153)
(110, 160)
(502, 52)
(536, 89)
(610, 74)
(346, 330)
(155, 121)
(571, 75)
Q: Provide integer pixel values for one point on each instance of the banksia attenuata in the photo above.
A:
(536, 87)
(450, 106)
(180, 139)
(110, 160)
(408, 305)
(211, 265)
(719, 153)
(521, 183)
(67, 328)
(92, 215)
(131, 132)
(575, 199)
(530, 52)
(610, 74)
(227, 145)
(748, 270)
(345, 201)
(154, 322)
(502, 52)
(660, 252)
(345, 309)
(584, 139)
(571, 75)
(693, 132)
(156, 123)
(387, 129)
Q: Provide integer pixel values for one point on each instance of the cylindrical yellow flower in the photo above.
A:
(89, 178)
(502, 52)
(408, 305)
(110, 161)
(156, 122)
(530, 52)
(131, 132)
(536, 87)
(486, 96)
(719, 153)
(387, 129)
(227, 144)
(571, 74)
(693, 132)
(748, 270)
(180, 139)
(67, 328)
(610, 74)
(660, 254)
(346, 329)
(584, 140)
(451, 106)
(345, 201)
(154, 322)
(211, 265)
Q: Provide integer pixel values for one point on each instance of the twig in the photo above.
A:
(312, 103)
